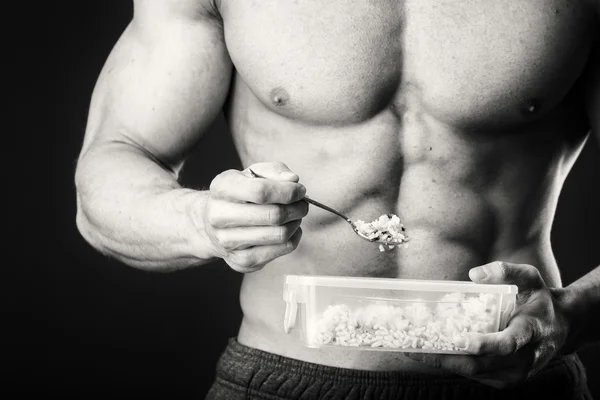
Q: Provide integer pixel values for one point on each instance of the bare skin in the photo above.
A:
(464, 119)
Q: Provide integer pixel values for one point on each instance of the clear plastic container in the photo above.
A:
(382, 314)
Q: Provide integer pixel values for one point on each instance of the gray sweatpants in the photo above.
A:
(247, 373)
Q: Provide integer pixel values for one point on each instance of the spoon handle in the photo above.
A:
(311, 201)
(324, 207)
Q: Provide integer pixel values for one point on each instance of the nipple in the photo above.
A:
(279, 97)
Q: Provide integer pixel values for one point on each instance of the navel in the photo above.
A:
(530, 107)
(279, 97)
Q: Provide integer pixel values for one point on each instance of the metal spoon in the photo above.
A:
(372, 239)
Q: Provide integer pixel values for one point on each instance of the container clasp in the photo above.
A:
(291, 309)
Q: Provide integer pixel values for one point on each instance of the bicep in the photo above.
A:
(164, 82)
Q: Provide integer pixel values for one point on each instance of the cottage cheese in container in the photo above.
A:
(382, 314)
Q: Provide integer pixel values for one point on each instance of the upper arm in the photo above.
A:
(164, 82)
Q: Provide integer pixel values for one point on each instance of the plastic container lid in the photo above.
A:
(399, 284)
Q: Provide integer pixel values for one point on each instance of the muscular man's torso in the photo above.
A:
(461, 117)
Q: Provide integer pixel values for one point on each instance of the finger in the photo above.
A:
(233, 185)
(517, 334)
(524, 276)
(225, 214)
(495, 383)
(464, 365)
(273, 170)
(506, 378)
(467, 365)
(255, 258)
(243, 238)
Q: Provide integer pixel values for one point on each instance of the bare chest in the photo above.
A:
(477, 62)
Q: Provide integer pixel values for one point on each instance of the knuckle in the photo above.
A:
(224, 239)
(293, 194)
(215, 186)
(218, 222)
(537, 275)
(475, 346)
(218, 185)
(276, 215)
(508, 346)
(255, 267)
(245, 269)
(236, 267)
(258, 194)
(534, 274)
(536, 327)
(283, 234)
(504, 269)
(287, 195)
(215, 217)
(244, 259)
(276, 236)
(470, 369)
(530, 269)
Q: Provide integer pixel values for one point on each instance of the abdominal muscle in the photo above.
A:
(465, 201)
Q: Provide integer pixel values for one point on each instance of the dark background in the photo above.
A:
(110, 330)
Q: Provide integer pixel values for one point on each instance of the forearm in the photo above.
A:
(581, 304)
(133, 209)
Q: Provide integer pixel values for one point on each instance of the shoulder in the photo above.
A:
(180, 10)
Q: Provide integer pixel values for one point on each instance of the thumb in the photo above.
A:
(272, 170)
(524, 276)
